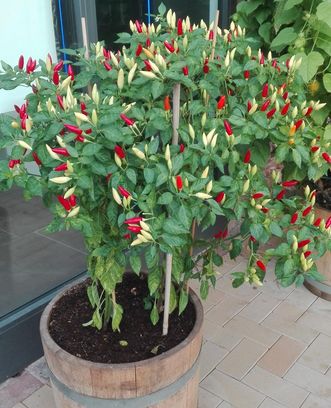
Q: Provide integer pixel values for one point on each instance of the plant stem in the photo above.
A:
(167, 294)
(175, 118)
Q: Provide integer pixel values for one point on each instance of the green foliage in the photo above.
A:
(108, 168)
(296, 27)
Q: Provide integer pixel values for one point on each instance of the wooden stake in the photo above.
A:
(85, 38)
(168, 271)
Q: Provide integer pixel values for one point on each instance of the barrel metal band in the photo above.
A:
(138, 402)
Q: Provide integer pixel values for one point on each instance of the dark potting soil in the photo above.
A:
(323, 197)
(142, 338)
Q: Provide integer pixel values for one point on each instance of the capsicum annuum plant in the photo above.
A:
(110, 166)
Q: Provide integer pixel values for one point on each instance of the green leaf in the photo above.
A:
(327, 82)
(265, 31)
(297, 157)
(256, 230)
(91, 149)
(173, 240)
(236, 248)
(154, 281)
(166, 198)
(183, 301)
(204, 289)
(117, 317)
(162, 9)
(285, 37)
(238, 281)
(132, 176)
(154, 315)
(323, 12)
(275, 229)
(310, 64)
(149, 175)
(172, 226)
(173, 299)
(157, 89)
(97, 321)
(135, 263)
(291, 3)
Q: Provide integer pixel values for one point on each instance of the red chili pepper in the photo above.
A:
(108, 177)
(58, 66)
(61, 167)
(219, 235)
(262, 59)
(229, 37)
(148, 42)
(56, 78)
(80, 139)
(138, 26)
(71, 72)
(36, 158)
(13, 163)
(317, 222)
(205, 69)
(328, 222)
(123, 192)
(179, 183)
(265, 210)
(61, 150)
(166, 103)
(285, 109)
(314, 149)
(128, 121)
(23, 123)
(294, 218)
(289, 183)
(298, 124)
(60, 101)
(133, 220)
(88, 131)
(17, 108)
(271, 113)
(83, 108)
(306, 211)
(257, 195)
(21, 62)
(221, 102)
(225, 233)
(285, 95)
(307, 253)
(73, 129)
(261, 265)
(148, 65)
(127, 236)
(280, 195)
(211, 35)
(179, 27)
(303, 243)
(247, 74)
(64, 202)
(219, 197)
(185, 70)
(107, 66)
(134, 228)
(247, 157)
(249, 105)
(265, 105)
(73, 200)
(326, 157)
(227, 127)
(288, 63)
(265, 90)
(274, 63)
(106, 53)
(119, 151)
(139, 50)
(181, 148)
(252, 239)
(309, 111)
(169, 46)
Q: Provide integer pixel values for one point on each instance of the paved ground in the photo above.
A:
(267, 348)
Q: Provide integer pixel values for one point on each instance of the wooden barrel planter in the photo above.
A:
(322, 289)
(168, 380)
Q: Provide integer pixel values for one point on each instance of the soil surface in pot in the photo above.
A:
(143, 339)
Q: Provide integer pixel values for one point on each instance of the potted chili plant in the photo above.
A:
(127, 151)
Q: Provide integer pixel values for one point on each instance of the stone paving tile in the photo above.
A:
(40, 370)
(224, 337)
(252, 330)
(17, 389)
(301, 297)
(41, 399)
(315, 402)
(269, 403)
(225, 310)
(225, 404)
(318, 354)
(276, 388)
(318, 321)
(232, 391)
(207, 399)
(228, 265)
(282, 355)
(19, 405)
(211, 355)
(310, 380)
(260, 307)
(242, 358)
